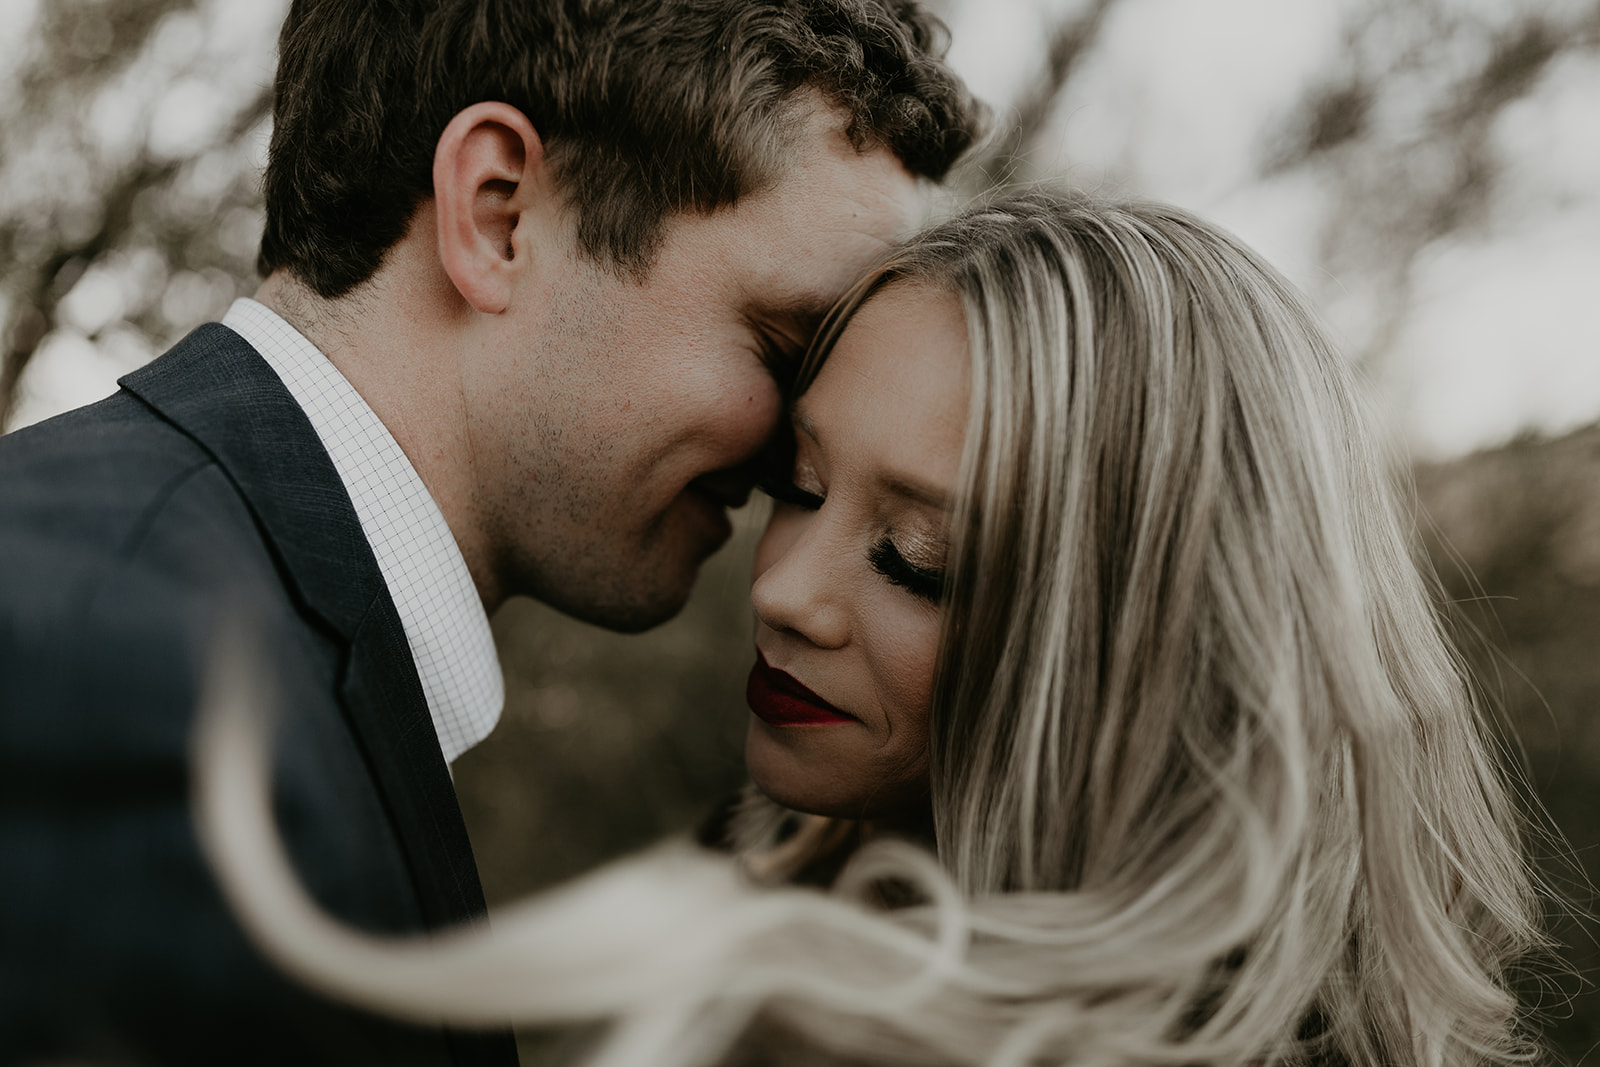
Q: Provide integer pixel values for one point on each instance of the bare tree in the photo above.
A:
(1402, 132)
(71, 202)
(1004, 161)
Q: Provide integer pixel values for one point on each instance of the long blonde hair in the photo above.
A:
(1208, 784)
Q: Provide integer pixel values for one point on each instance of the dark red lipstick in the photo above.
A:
(778, 699)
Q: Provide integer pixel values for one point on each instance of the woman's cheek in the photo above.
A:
(909, 643)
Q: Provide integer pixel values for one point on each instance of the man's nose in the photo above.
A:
(730, 486)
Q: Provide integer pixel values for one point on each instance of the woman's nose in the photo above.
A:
(798, 587)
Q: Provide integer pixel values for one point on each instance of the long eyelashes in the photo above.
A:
(919, 582)
(884, 556)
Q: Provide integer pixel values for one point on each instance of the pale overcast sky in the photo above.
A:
(1505, 335)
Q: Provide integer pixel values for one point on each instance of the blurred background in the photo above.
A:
(1428, 170)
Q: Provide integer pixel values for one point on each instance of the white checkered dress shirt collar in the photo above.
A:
(428, 580)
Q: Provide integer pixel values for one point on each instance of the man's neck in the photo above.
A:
(381, 347)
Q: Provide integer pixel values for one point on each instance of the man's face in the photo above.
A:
(610, 415)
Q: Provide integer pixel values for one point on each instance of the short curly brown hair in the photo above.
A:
(646, 107)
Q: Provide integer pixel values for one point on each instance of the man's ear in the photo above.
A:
(486, 172)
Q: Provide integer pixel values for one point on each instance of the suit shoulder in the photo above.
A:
(85, 479)
(118, 437)
(111, 493)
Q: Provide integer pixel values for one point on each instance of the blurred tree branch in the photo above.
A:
(1004, 161)
(1401, 180)
(52, 233)
(43, 283)
(1405, 131)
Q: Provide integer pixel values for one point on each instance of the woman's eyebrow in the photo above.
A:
(916, 491)
(897, 483)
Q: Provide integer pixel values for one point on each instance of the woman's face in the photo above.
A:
(848, 574)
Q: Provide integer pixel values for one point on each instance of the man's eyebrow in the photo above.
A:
(812, 304)
(795, 319)
(803, 311)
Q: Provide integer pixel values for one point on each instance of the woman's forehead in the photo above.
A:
(891, 401)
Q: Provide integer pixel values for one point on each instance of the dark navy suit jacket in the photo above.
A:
(128, 531)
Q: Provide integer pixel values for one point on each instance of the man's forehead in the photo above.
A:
(787, 251)
(830, 222)
(822, 172)
(870, 193)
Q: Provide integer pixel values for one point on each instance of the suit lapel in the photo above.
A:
(386, 702)
(218, 390)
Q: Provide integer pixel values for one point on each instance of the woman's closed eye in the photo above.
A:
(912, 569)
(926, 583)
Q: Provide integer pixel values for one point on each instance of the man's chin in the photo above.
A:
(632, 619)
(623, 614)
(634, 587)
(665, 572)
(629, 598)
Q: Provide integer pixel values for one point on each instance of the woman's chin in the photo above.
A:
(785, 775)
(795, 776)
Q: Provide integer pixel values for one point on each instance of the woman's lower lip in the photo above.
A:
(779, 700)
